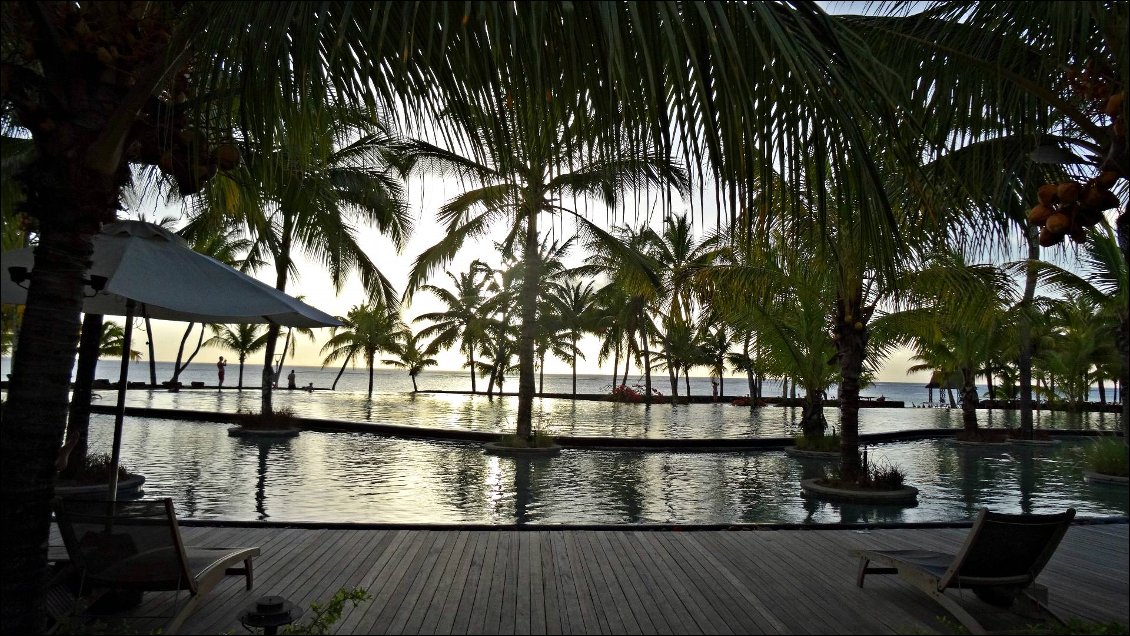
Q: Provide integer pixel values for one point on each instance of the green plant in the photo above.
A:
(539, 438)
(323, 616)
(875, 476)
(96, 470)
(281, 418)
(1107, 456)
(822, 444)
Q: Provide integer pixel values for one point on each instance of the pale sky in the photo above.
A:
(425, 195)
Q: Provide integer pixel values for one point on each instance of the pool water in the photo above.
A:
(356, 477)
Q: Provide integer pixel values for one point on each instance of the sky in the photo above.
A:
(425, 196)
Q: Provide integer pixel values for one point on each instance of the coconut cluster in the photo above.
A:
(162, 136)
(1069, 208)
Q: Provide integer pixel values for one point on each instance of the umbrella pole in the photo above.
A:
(120, 408)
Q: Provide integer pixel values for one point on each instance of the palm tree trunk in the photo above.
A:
(528, 302)
(1025, 359)
(35, 414)
(949, 392)
(852, 345)
(269, 368)
(1122, 227)
(78, 420)
(180, 354)
(541, 373)
(414, 388)
(574, 366)
(1102, 390)
(152, 354)
(969, 401)
(471, 361)
(369, 362)
(687, 378)
(282, 264)
(616, 364)
(242, 358)
(812, 421)
(646, 364)
(627, 359)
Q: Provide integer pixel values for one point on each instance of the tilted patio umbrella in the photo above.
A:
(137, 263)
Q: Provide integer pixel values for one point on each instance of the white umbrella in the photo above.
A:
(142, 263)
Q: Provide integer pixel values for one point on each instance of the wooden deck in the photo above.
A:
(627, 581)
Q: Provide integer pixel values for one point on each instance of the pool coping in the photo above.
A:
(694, 444)
(643, 527)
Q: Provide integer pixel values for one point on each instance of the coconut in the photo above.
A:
(1047, 239)
(1101, 200)
(227, 156)
(1087, 217)
(1047, 193)
(858, 326)
(1058, 223)
(1106, 179)
(1114, 104)
(165, 163)
(1039, 214)
(1068, 191)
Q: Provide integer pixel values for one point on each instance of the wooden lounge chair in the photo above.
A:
(136, 545)
(999, 562)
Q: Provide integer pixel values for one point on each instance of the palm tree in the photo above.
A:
(410, 356)
(574, 303)
(243, 339)
(112, 342)
(204, 66)
(316, 183)
(534, 156)
(221, 244)
(368, 329)
(1033, 71)
(462, 321)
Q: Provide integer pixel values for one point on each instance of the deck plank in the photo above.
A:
(627, 580)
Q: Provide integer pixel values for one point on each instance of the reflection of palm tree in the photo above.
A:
(535, 157)
(243, 339)
(367, 330)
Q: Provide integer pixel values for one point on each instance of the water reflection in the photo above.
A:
(354, 477)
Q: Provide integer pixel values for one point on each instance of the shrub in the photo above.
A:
(97, 470)
(625, 393)
(822, 444)
(1107, 456)
(876, 476)
(323, 616)
(281, 418)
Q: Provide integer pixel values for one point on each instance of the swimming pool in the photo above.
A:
(356, 477)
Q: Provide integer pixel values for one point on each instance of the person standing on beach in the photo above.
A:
(220, 370)
(290, 381)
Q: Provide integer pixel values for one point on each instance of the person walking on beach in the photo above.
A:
(290, 381)
(220, 370)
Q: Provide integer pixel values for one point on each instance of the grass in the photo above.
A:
(540, 439)
(876, 476)
(822, 444)
(97, 471)
(281, 418)
(1107, 456)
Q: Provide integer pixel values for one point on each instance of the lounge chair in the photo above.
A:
(136, 545)
(999, 562)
